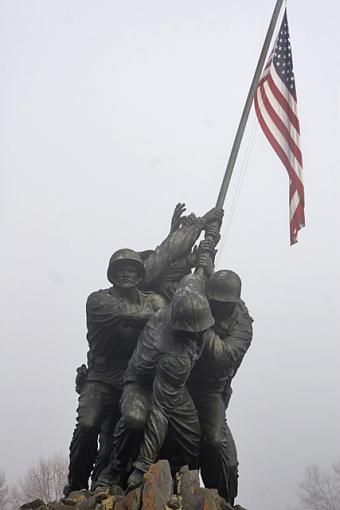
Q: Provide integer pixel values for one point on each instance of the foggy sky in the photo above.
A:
(111, 112)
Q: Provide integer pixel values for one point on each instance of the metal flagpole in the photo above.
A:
(247, 107)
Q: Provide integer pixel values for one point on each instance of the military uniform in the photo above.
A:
(164, 269)
(209, 386)
(114, 324)
(155, 400)
(113, 328)
(172, 260)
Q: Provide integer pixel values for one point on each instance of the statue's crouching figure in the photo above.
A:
(156, 405)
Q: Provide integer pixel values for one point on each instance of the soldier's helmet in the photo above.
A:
(118, 259)
(225, 286)
(191, 312)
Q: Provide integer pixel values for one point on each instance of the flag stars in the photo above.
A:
(282, 57)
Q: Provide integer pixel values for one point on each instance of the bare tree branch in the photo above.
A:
(320, 490)
(4, 491)
(44, 480)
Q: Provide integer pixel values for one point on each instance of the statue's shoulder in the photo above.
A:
(242, 312)
(101, 296)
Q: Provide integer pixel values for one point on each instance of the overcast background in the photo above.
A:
(111, 112)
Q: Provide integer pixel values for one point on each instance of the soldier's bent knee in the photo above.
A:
(135, 421)
(215, 441)
(88, 423)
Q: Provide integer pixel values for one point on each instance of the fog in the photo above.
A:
(111, 112)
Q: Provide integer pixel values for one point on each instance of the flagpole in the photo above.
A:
(247, 107)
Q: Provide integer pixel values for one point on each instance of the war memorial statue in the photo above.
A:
(165, 341)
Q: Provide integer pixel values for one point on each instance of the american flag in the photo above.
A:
(275, 105)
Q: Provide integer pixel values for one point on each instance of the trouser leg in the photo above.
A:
(218, 456)
(135, 408)
(233, 465)
(182, 445)
(105, 442)
(95, 403)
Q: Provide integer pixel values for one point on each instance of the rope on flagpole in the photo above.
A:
(238, 188)
(246, 110)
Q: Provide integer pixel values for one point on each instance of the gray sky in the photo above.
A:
(111, 112)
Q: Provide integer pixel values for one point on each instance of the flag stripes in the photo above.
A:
(275, 106)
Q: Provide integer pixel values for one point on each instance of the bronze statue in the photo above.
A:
(223, 347)
(155, 400)
(115, 318)
(209, 383)
(164, 346)
(164, 268)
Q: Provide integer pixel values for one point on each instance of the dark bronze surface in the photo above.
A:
(164, 346)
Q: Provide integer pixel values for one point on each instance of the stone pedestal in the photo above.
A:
(159, 492)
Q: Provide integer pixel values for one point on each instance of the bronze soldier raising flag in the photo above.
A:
(115, 319)
(155, 400)
(210, 381)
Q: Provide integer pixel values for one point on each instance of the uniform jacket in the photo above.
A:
(162, 361)
(113, 327)
(225, 346)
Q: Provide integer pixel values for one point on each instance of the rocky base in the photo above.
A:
(160, 492)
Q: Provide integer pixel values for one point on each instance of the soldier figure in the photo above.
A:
(155, 400)
(115, 318)
(209, 383)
